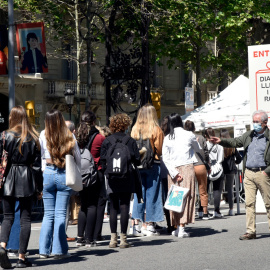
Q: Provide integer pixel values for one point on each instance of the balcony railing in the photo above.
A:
(57, 89)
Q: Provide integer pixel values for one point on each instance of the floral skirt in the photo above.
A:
(188, 216)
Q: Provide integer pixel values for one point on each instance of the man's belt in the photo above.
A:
(257, 169)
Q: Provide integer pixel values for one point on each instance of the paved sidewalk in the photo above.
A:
(214, 244)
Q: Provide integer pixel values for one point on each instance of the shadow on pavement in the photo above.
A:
(80, 255)
(203, 231)
(263, 235)
(152, 242)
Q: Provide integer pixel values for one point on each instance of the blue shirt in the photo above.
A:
(255, 153)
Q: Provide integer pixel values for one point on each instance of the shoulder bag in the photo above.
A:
(176, 199)
(73, 174)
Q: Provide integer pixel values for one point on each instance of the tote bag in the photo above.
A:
(176, 199)
(73, 174)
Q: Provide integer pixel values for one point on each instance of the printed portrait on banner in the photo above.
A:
(31, 48)
(3, 50)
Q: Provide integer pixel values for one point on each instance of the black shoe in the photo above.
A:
(23, 263)
(157, 227)
(100, 238)
(80, 242)
(4, 260)
(207, 216)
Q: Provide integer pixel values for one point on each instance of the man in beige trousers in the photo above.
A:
(256, 164)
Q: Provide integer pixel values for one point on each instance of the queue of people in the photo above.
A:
(145, 163)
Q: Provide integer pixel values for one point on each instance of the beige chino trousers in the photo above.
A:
(253, 182)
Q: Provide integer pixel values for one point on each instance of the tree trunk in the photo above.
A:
(198, 77)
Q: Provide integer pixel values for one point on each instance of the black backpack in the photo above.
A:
(118, 158)
(88, 167)
(146, 153)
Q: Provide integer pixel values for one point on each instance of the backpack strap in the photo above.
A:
(112, 140)
(125, 140)
(89, 144)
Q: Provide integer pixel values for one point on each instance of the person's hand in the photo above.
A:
(39, 195)
(178, 178)
(215, 140)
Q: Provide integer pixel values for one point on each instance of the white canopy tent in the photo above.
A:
(230, 108)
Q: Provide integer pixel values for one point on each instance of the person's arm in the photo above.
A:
(230, 142)
(206, 152)
(77, 155)
(195, 145)
(220, 156)
(158, 141)
(136, 157)
(37, 170)
(103, 154)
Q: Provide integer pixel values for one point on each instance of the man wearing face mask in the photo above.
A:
(256, 164)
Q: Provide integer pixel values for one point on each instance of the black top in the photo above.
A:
(121, 185)
(229, 162)
(24, 175)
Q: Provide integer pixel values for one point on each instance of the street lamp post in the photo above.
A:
(69, 97)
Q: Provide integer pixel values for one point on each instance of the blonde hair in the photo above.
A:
(59, 138)
(20, 124)
(146, 123)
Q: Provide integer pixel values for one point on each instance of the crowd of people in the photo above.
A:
(134, 173)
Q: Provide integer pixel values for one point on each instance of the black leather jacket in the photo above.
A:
(24, 176)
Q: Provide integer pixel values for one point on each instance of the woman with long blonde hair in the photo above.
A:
(147, 128)
(56, 141)
(23, 178)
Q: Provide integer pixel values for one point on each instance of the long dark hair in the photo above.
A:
(88, 119)
(165, 125)
(224, 133)
(174, 121)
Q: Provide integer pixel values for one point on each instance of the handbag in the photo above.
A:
(176, 199)
(3, 164)
(73, 174)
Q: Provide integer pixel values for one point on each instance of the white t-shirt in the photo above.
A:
(180, 150)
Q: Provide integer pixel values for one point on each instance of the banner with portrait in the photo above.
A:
(31, 47)
(3, 50)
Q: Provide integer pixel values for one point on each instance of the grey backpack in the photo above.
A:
(88, 167)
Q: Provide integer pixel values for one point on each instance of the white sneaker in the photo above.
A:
(131, 229)
(183, 234)
(231, 213)
(137, 231)
(151, 231)
(217, 214)
(144, 230)
(175, 233)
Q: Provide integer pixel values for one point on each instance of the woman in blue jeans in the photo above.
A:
(147, 128)
(56, 141)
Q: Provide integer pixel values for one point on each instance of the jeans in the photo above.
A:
(55, 198)
(152, 196)
(14, 241)
(25, 220)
